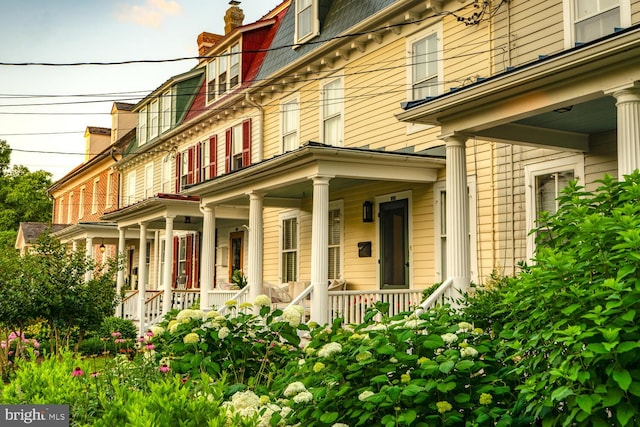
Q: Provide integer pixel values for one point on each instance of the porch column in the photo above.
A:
(74, 246)
(142, 273)
(256, 240)
(207, 258)
(167, 273)
(88, 250)
(320, 250)
(120, 277)
(457, 216)
(628, 109)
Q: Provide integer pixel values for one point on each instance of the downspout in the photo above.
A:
(260, 148)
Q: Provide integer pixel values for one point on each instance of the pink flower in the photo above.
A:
(116, 334)
(36, 344)
(94, 374)
(164, 369)
(149, 333)
(142, 339)
(150, 346)
(77, 372)
(119, 340)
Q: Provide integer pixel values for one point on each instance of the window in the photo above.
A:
(142, 126)
(211, 80)
(154, 118)
(332, 95)
(148, 180)
(184, 169)
(222, 75)
(289, 126)
(108, 200)
(289, 247)
(131, 188)
(238, 146)
(80, 202)
(307, 24)
(587, 20)
(440, 207)
(335, 240)
(94, 196)
(167, 108)
(234, 66)
(543, 183)
(60, 210)
(208, 158)
(167, 177)
(425, 65)
(70, 210)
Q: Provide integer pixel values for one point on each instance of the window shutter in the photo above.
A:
(196, 260)
(197, 176)
(178, 164)
(227, 150)
(190, 165)
(176, 247)
(246, 143)
(213, 153)
(189, 261)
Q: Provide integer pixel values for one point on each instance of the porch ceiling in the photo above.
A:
(558, 101)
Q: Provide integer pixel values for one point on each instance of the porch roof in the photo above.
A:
(156, 209)
(558, 100)
(286, 178)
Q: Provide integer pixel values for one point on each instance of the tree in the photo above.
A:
(23, 194)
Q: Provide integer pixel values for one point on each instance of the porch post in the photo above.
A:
(142, 273)
(256, 240)
(74, 246)
(457, 216)
(88, 250)
(320, 250)
(628, 109)
(120, 277)
(167, 273)
(207, 258)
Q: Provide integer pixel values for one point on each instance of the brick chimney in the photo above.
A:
(206, 41)
(233, 18)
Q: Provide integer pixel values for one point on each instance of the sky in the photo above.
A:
(50, 137)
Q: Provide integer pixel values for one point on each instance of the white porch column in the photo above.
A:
(457, 217)
(88, 250)
(207, 258)
(142, 274)
(320, 250)
(628, 109)
(74, 246)
(256, 240)
(120, 277)
(167, 273)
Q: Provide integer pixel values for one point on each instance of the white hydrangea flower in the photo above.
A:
(156, 330)
(468, 352)
(365, 394)
(465, 327)
(449, 338)
(292, 315)
(294, 388)
(303, 397)
(340, 425)
(330, 348)
(223, 332)
(211, 314)
(262, 300)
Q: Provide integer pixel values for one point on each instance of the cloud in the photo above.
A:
(149, 14)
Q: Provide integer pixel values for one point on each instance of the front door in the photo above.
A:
(236, 244)
(394, 244)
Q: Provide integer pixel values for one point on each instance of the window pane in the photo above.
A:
(234, 66)
(331, 98)
(305, 17)
(332, 131)
(211, 81)
(597, 26)
(548, 188)
(425, 67)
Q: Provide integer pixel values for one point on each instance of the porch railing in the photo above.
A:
(444, 293)
(352, 305)
(218, 298)
(184, 298)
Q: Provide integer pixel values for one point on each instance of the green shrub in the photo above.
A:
(112, 324)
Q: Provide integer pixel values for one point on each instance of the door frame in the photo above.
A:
(401, 195)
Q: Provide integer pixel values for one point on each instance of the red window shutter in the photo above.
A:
(213, 153)
(190, 153)
(189, 263)
(227, 150)
(246, 143)
(198, 166)
(196, 260)
(176, 248)
(178, 164)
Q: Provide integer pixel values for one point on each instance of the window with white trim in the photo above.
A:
(142, 126)
(167, 176)
(205, 160)
(148, 180)
(425, 71)
(154, 118)
(289, 246)
(290, 123)
(109, 198)
(184, 169)
(167, 110)
(94, 196)
(544, 182)
(307, 23)
(212, 73)
(61, 210)
(336, 231)
(70, 210)
(131, 188)
(440, 218)
(234, 66)
(223, 73)
(80, 202)
(587, 20)
(236, 147)
(332, 95)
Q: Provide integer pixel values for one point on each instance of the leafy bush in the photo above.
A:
(125, 327)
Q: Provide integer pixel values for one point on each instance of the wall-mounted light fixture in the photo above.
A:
(102, 247)
(187, 220)
(367, 211)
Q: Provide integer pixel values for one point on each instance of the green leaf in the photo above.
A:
(432, 342)
(386, 349)
(560, 393)
(624, 413)
(584, 402)
(464, 365)
(597, 348)
(329, 417)
(622, 377)
(634, 388)
(408, 417)
(447, 366)
(612, 397)
(412, 390)
(462, 398)
(625, 346)
(445, 387)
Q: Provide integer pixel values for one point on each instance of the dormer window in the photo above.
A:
(142, 126)
(223, 73)
(154, 118)
(306, 19)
